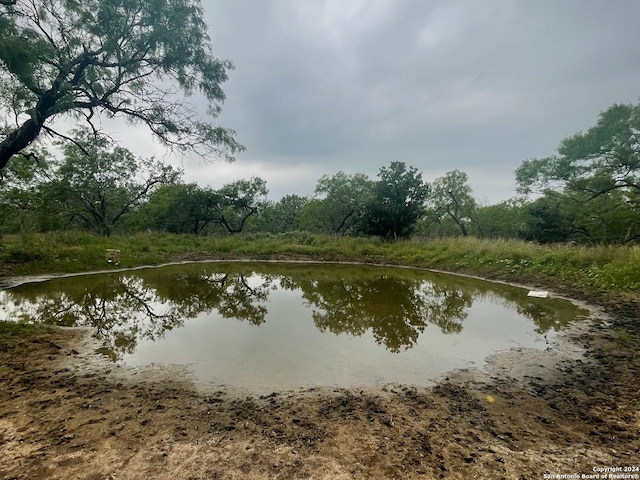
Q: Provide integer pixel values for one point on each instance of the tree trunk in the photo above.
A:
(454, 214)
(18, 140)
(25, 134)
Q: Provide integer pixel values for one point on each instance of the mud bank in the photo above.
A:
(66, 414)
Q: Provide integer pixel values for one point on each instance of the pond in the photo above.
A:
(266, 326)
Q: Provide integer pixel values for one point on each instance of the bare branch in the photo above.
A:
(52, 132)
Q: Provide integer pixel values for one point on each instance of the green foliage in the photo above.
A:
(340, 204)
(596, 174)
(93, 189)
(98, 183)
(451, 197)
(604, 158)
(550, 220)
(188, 208)
(561, 217)
(398, 202)
(507, 219)
(179, 208)
(130, 58)
(238, 201)
(282, 216)
(19, 198)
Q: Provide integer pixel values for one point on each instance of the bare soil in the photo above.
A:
(66, 414)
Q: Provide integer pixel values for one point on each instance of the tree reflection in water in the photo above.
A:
(397, 310)
(123, 309)
(395, 304)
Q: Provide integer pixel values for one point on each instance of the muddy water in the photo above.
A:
(281, 326)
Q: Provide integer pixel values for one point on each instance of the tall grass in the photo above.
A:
(608, 268)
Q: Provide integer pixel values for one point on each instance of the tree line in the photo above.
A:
(143, 61)
(588, 193)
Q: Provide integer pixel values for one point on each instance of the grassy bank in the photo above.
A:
(20, 329)
(603, 268)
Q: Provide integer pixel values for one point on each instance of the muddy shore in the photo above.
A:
(65, 414)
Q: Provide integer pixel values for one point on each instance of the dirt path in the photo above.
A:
(64, 414)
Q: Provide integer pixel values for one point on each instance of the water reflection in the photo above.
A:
(397, 310)
(396, 305)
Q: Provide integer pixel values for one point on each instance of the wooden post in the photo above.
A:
(113, 256)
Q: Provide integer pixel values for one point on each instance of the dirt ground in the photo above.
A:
(66, 414)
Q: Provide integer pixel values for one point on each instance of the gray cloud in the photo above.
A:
(323, 86)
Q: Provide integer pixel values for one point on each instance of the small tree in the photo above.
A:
(282, 216)
(507, 219)
(451, 197)
(238, 201)
(343, 202)
(97, 182)
(179, 208)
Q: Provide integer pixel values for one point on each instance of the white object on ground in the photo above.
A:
(538, 294)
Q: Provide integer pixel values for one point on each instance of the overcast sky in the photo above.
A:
(352, 85)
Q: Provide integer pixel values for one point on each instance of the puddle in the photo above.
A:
(264, 327)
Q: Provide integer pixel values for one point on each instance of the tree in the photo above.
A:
(560, 217)
(603, 159)
(550, 219)
(451, 196)
(180, 208)
(312, 217)
(345, 198)
(238, 201)
(97, 183)
(398, 201)
(282, 216)
(191, 209)
(137, 59)
(506, 219)
(600, 166)
(19, 187)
